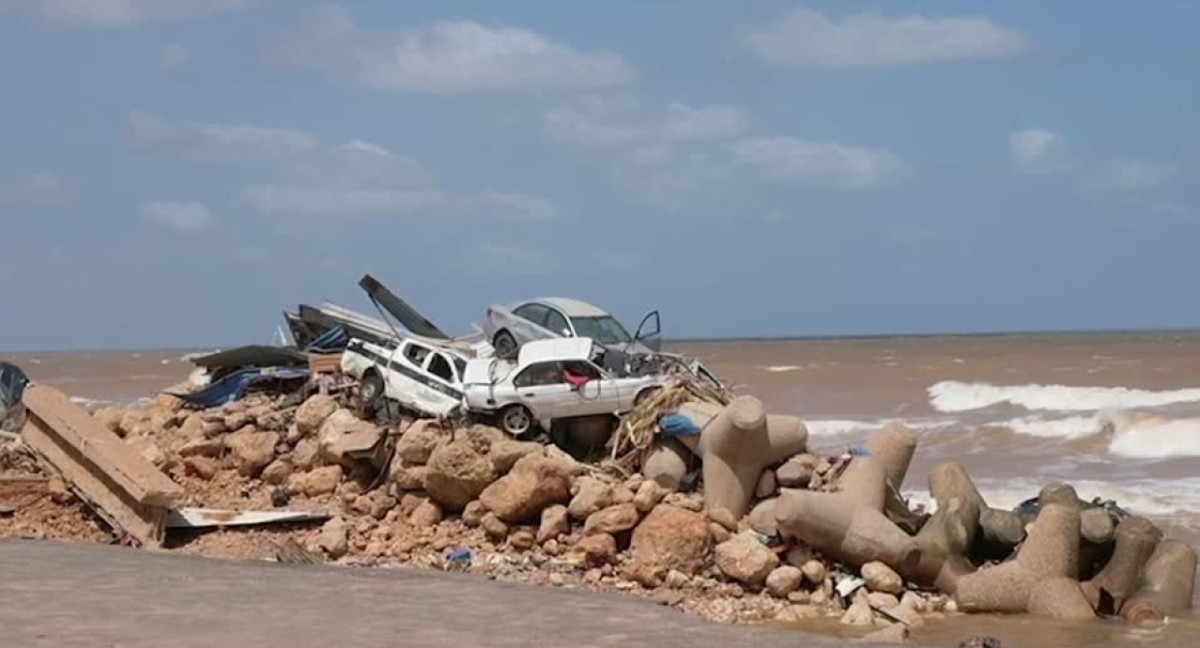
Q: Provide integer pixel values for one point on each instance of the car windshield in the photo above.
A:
(604, 329)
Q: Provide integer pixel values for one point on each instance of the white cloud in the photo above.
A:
(173, 57)
(327, 200)
(806, 38)
(121, 13)
(181, 216)
(41, 188)
(1132, 175)
(685, 122)
(1038, 151)
(213, 141)
(795, 162)
(446, 57)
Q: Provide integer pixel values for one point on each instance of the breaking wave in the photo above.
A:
(1152, 437)
(1160, 498)
(781, 368)
(953, 396)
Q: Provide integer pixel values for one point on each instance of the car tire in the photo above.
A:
(517, 421)
(505, 345)
(370, 391)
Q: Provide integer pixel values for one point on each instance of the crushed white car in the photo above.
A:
(422, 377)
(551, 380)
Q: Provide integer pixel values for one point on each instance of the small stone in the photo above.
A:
(859, 614)
(597, 547)
(800, 597)
(669, 599)
(202, 467)
(797, 471)
(905, 615)
(558, 580)
(897, 633)
(784, 580)
(426, 514)
(280, 496)
(551, 547)
(719, 533)
(238, 420)
(766, 485)
(881, 578)
(723, 517)
(819, 597)
(744, 558)
(316, 482)
(950, 606)
(612, 520)
(494, 526)
(797, 613)
(689, 501)
(333, 539)
(591, 495)
(914, 601)
(648, 495)
(882, 600)
(814, 571)
(473, 512)
(277, 472)
(555, 522)
(521, 540)
(202, 448)
(676, 579)
(305, 454)
(409, 503)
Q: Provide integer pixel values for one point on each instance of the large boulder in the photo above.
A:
(881, 578)
(612, 520)
(345, 438)
(505, 453)
(458, 474)
(534, 483)
(744, 558)
(672, 538)
(251, 450)
(313, 412)
(418, 442)
(591, 495)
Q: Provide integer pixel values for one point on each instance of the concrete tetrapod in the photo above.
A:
(895, 445)
(1136, 539)
(735, 444)
(1166, 584)
(666, 463)
(1050, 552)
(849, 525)
(999, 531)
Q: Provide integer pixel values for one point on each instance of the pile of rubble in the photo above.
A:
(729, 516)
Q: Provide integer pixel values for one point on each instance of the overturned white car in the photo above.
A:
(551, 380)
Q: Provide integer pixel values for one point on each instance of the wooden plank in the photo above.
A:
(145, 522)
(325, 362)
(139, 479)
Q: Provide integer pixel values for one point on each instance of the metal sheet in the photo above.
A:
(202, 518)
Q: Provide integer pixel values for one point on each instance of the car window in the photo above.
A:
(440, 367)
(461, 365)
(416, 354)
(557, 323)
(604, 329)
(581, 368)
(542, 373)
(535, 313)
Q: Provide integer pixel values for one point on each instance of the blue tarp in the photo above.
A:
(231, 387)
(677, 425)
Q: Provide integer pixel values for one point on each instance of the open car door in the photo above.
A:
(649, 332)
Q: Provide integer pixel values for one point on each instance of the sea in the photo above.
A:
(1116, 415)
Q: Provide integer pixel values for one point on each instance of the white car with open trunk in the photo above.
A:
(551, 380)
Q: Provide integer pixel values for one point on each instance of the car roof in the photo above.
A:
(572, 348)
(571, 307)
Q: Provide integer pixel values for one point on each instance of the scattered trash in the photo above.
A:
(847, 585)
(233, 386)
(12, 385)
(280, 496)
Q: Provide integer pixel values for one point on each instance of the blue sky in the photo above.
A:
(178, 172)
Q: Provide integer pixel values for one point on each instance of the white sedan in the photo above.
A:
(551, 380)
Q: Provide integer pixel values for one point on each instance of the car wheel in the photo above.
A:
(505, 345)
(370, 390)
(517, 420)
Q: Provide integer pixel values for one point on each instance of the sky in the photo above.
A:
(180, 172)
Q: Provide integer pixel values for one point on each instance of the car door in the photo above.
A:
(542, 388)
(529, 323)
(558, 324)
(600, 395)
(649, 332)
(442, 389)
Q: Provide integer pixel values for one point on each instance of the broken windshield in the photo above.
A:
(604, 329)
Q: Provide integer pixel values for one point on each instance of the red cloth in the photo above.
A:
(576, 381)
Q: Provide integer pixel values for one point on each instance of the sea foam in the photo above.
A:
(954, 396)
